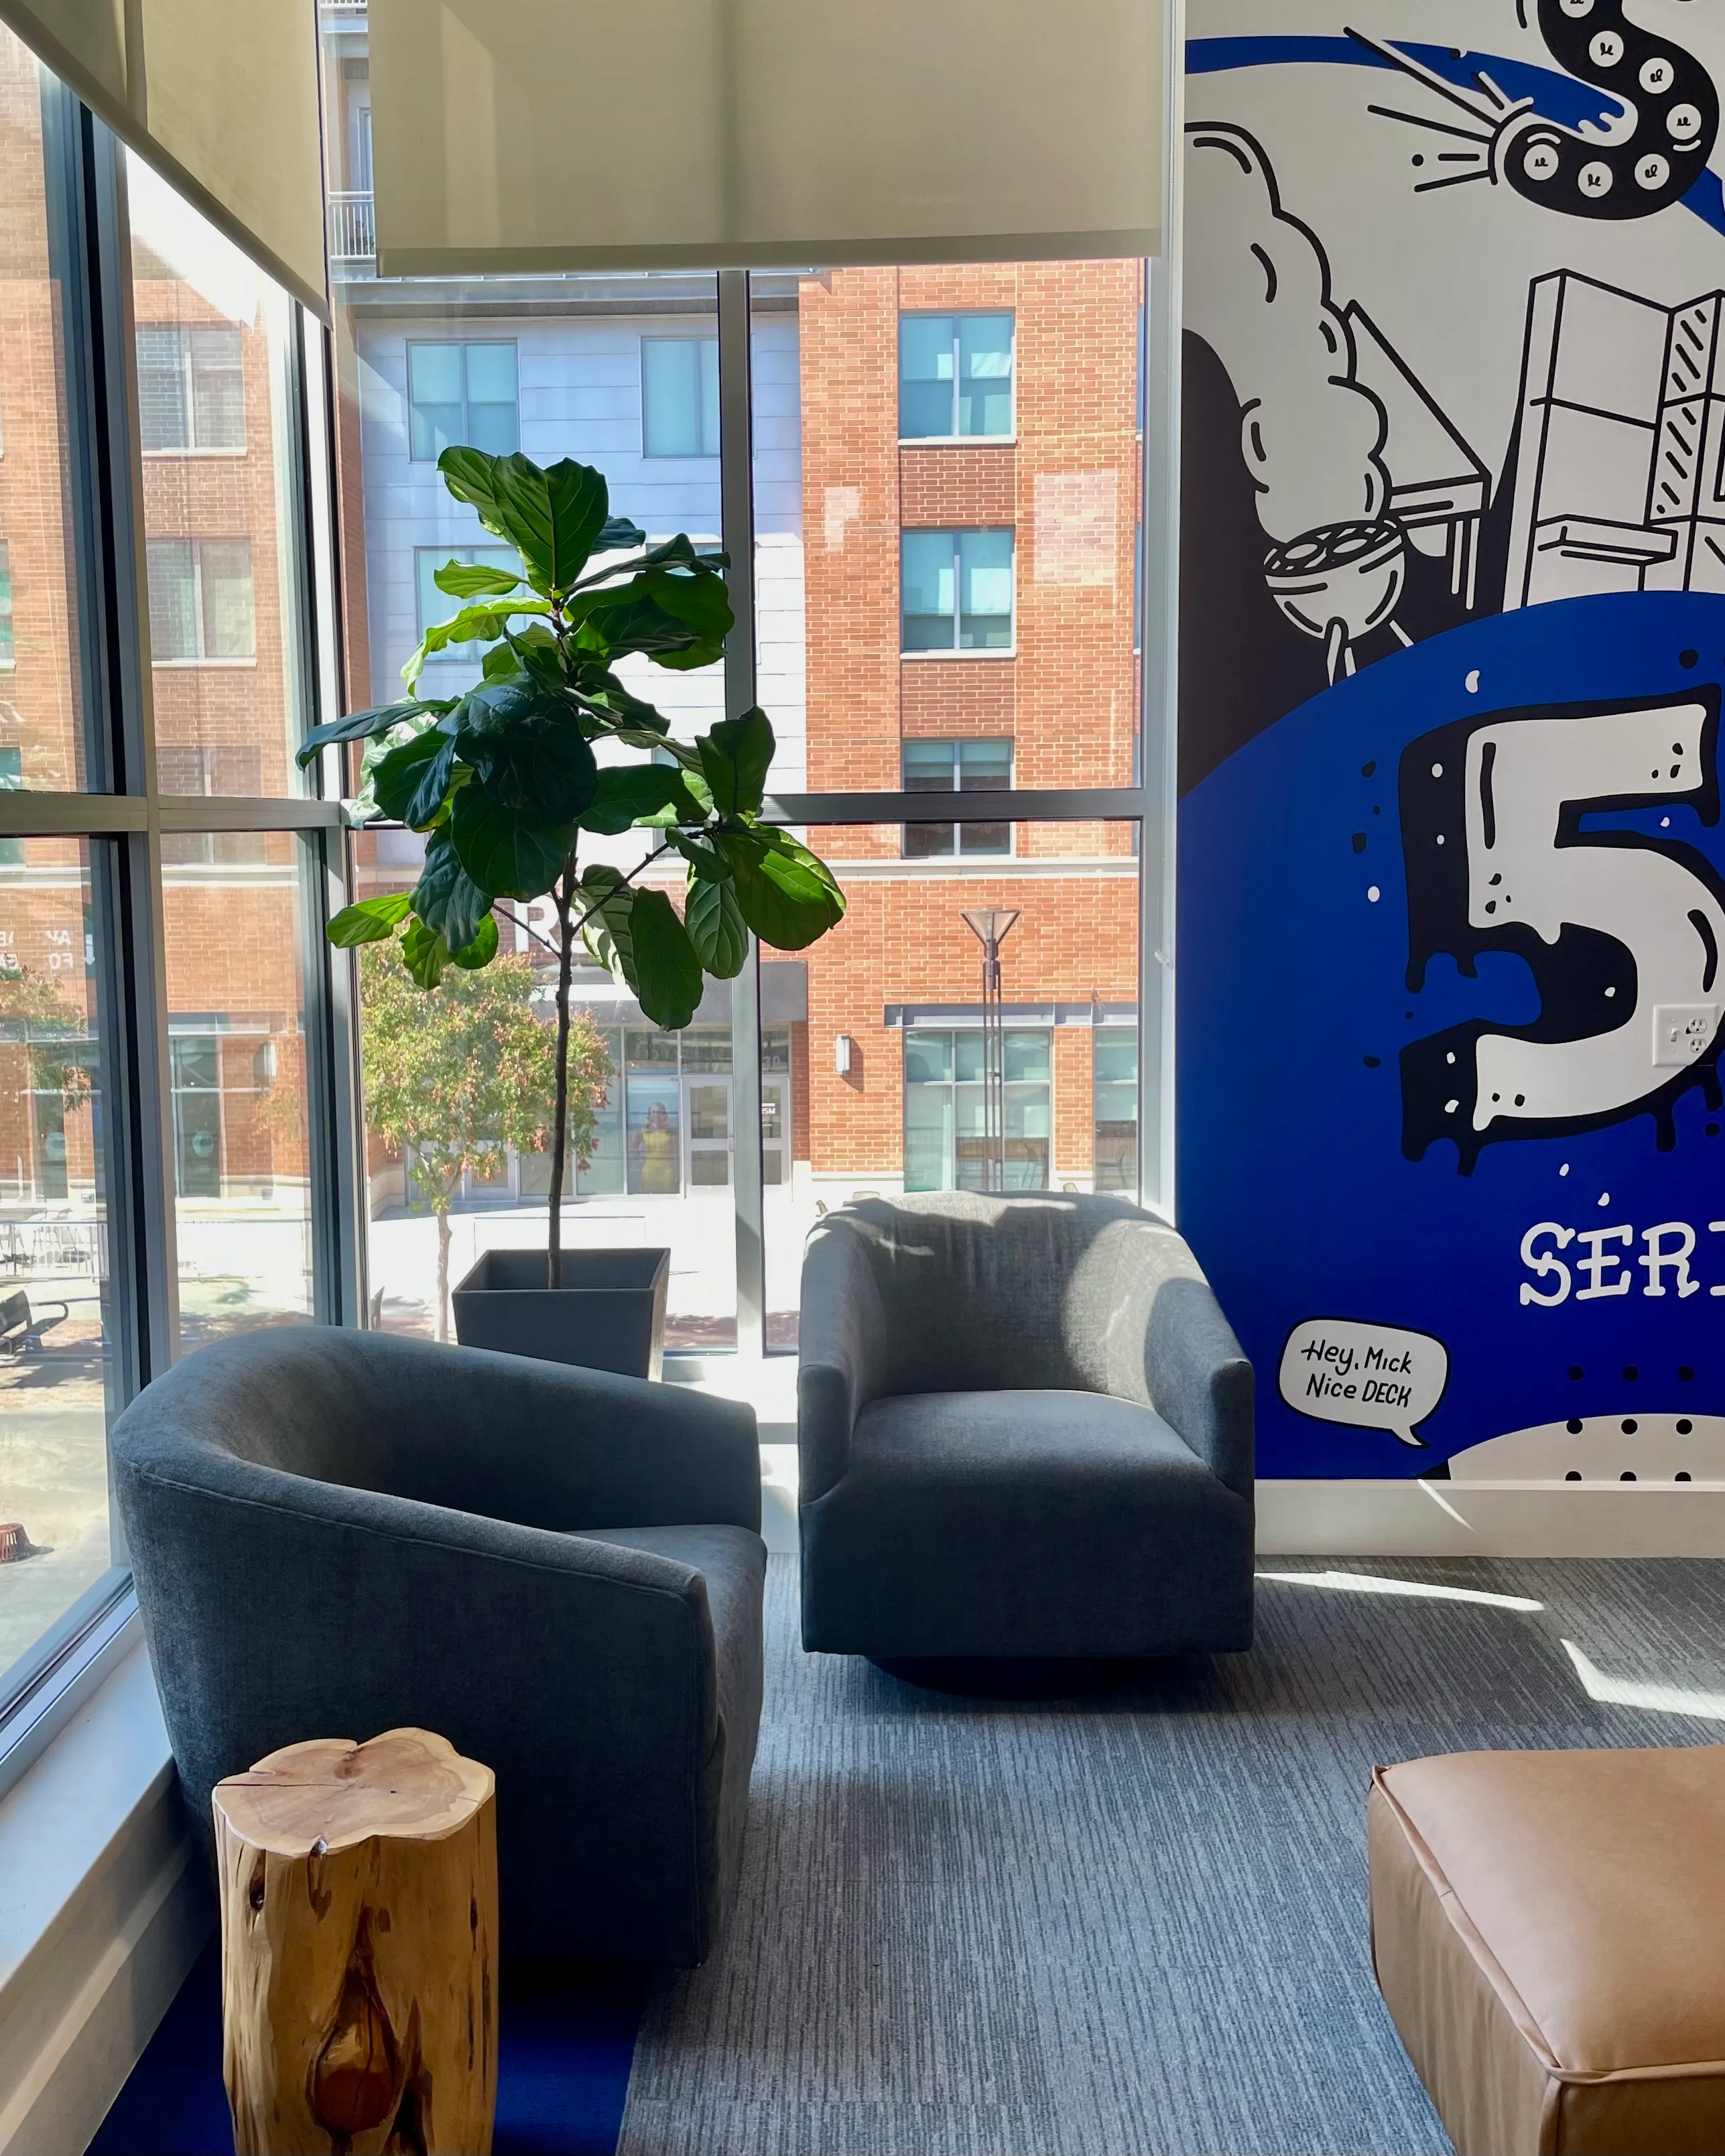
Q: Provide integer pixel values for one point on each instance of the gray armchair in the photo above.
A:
(336, 1532)
(1024, 1431)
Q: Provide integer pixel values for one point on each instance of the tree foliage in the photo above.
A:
(456, 1074)
(59, 1035)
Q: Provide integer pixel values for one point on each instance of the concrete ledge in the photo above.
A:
(102, 1912)
(1491, 1519)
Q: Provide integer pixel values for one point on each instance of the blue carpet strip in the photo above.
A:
(565, 2039)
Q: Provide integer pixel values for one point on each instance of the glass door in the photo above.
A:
(775, 1131)
(707, 1119)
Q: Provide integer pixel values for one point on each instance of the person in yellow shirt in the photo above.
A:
(656, 1145)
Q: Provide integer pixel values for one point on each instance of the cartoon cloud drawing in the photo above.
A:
(1312, 433)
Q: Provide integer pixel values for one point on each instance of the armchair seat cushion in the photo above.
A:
(1034, 1524)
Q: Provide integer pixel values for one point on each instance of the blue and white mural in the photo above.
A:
(1452, 887)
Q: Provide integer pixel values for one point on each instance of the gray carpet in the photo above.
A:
(1135, 1924)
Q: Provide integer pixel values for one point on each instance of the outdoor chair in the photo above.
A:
(337, 1532)
(22, 1328)
(1025, 1431)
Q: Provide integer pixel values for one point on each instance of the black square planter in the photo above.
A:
(607, 1315)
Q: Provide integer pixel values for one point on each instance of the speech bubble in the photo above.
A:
(1374, 1377)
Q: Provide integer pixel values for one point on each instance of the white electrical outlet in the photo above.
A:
(1682, 1032)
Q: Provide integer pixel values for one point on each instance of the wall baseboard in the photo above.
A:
(1490, 1519)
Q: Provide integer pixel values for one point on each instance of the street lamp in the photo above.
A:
(991, 925)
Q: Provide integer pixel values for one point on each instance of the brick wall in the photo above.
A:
(1067, 696)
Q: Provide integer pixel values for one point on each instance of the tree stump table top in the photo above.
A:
(406, 1783)
(359, 1933)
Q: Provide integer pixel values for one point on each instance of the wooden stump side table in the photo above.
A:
(359, 1949)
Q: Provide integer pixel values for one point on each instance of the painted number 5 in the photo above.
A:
(1623, 930)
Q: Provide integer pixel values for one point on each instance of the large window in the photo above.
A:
(1115, 1066)
(954, 376)
(956, 767)
(464, 394)
(191, 386)
(679, 397)
(170, 1085)
(916, 497)
(956, 591)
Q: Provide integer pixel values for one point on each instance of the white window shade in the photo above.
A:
(220, 96)
(548, 135)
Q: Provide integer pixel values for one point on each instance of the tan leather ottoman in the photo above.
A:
(1549, 1932)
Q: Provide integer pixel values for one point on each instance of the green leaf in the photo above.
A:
(528, 750)
(553, 516)
(604, 925)
(701, 857)
(501, 664)
(677, 618)
(482, 949)
(471, 580)
(359, 726)
(446, 898)
(410, 782)
(508, 852)
(628, 793)
(425, 953)
(369, 920)
(668, 980)
(617, 534)
(716, 927)
(788, 896)
(736, 756)
(680, 552)
(604, 693)
(473, 624)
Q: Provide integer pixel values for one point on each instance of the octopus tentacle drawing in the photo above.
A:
(1647, 155)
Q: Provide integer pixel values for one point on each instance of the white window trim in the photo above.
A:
(461, 345)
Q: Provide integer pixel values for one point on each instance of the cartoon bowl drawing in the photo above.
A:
(1339, 583)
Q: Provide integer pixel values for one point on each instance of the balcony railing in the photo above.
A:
(354, 233)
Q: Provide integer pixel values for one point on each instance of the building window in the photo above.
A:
(679, 397)
(435, 606)
(462, 395)
(956, 767)
(191, 387)
(195, 1070)
(954, 377)
(1116, 1084)
(946, 1145)
(11, 781)
(7, 653)
(957, 590)
(233, 770)
(201, 601)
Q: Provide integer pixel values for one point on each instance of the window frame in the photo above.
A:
(200, 621)
(972, 1030)
(461, 345)
(122, 817)
(1008, 438)
(957, 649)
(185, 378)
(957, 743)
(702, 345)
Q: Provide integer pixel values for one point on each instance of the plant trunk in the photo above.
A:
(560, 1113)
(443, 1275)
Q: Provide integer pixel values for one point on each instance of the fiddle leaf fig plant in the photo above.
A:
(505, 781)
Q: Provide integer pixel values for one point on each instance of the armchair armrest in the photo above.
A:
(1200, 1381)
(842, 1356)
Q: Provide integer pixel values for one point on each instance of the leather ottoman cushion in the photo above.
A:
(1548, 1932)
